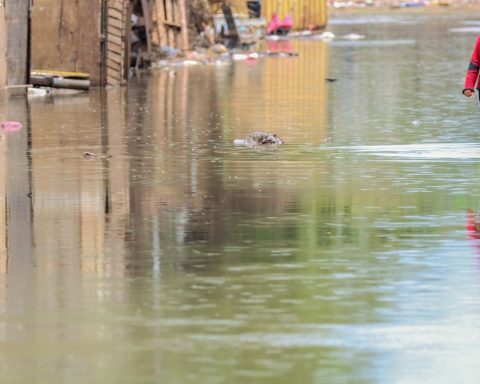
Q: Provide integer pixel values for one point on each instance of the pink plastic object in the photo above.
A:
(11, 126)
(275, 23)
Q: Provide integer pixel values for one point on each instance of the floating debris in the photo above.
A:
(324, 36)
(281, 54)
(37, 92)
(259, 138)
(353, 36)
(11, 126)
(89, 155)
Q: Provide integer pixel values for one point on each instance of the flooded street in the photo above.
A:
(172, 256)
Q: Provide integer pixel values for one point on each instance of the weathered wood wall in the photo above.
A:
(3, 46)
(169, 21)
(66, 36)
(305, 13)
(17, 20)
(117, 32)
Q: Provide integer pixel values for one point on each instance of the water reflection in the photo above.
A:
(173, 255)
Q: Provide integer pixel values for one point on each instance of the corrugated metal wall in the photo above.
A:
(305, 13)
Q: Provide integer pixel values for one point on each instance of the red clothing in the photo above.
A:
(474, 66)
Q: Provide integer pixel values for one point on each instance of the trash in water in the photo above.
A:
(353, 36)
(259, 138)
(37, 92)
(11, 126)
(89, 155)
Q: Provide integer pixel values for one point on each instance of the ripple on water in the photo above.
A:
(373, 43)
(429, 151)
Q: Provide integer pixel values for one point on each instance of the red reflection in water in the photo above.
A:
(472, 225)
(279, 46)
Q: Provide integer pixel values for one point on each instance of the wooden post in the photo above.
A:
(169, 19)
(232, 28)
(3, 46)
(17, 17)
(116, 55)
(183, 24)
(148, 25)
(160, 18)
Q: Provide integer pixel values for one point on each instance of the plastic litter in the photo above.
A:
(11, 126)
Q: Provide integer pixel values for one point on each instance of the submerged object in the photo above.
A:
(11, 126)
(89, 155)
(259, 138)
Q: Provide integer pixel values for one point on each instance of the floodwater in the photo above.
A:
(173, 256)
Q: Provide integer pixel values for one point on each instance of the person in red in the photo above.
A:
(472, 71)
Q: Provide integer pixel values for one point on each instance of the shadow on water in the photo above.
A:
(167, 252)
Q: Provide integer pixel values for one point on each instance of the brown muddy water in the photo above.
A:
(173, 256)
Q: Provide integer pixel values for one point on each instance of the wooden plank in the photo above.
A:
(183, 25)
(116, 42)
(172, 24)
(170, 16)
(116, 49)
(115, 23)
(17, 17)
(160, 18)
(118, 5)
(118, 60)
(127, 40)
(47, 72)
(115, 39)
(117, 56)
(115, 13)
(67, 36)
(148, 24)
(114, 72)
(111, 80)
(3, 48)
(114, 31)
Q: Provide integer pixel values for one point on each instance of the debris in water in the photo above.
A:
(353, 36)
(259, 138)
(37, 92)
(89, 155)
(11, 126)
